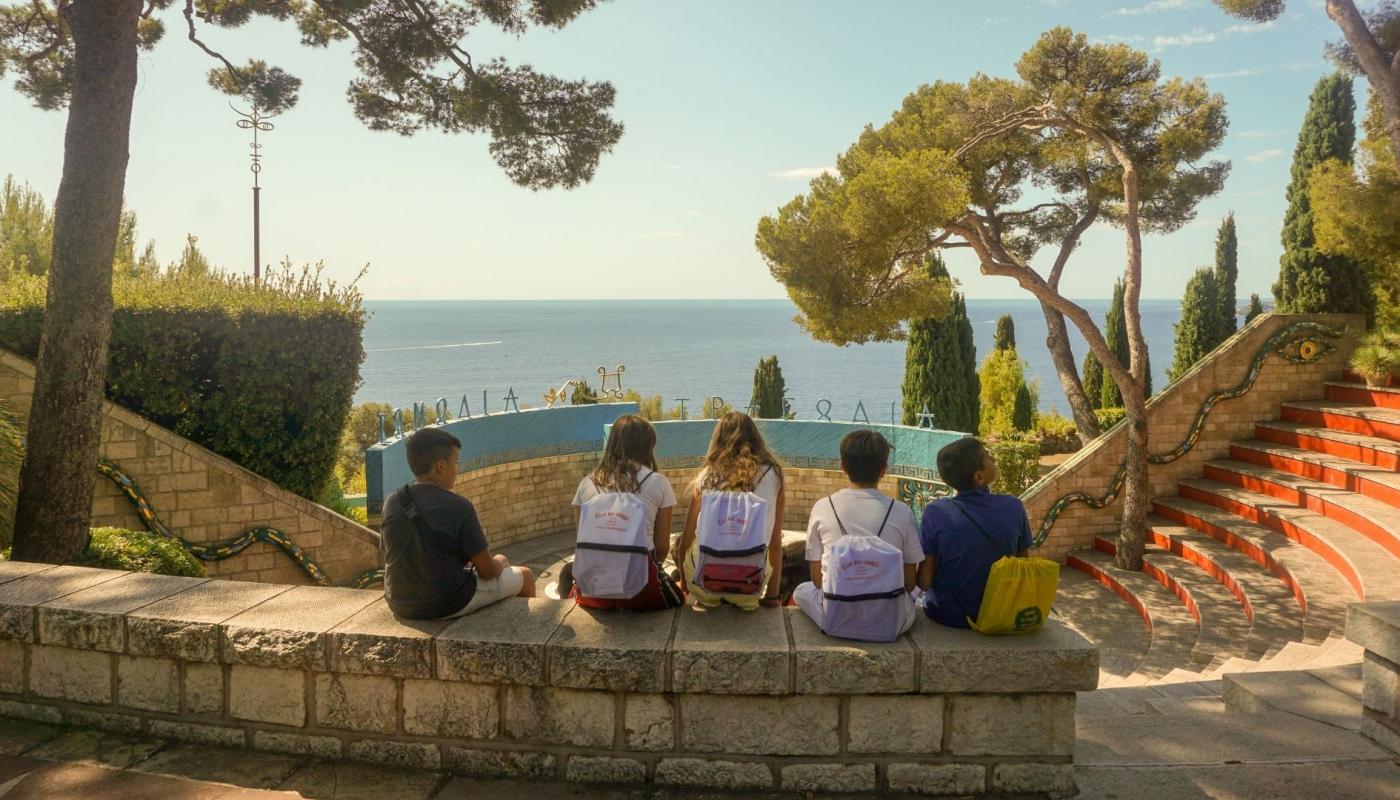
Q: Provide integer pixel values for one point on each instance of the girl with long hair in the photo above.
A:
(629, 466)
(738, 460)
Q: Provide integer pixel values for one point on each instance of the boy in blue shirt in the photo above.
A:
(963, 536)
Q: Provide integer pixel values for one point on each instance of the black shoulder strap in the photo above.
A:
(414, 514)
(978, 526)
(644, 480)
(886, 520)
(831, 502)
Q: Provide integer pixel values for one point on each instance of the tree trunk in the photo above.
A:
(1383, 75)
(1057, 340)
(1136, 490)
(60, 463)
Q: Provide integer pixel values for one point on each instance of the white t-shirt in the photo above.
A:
(656, 493)
(861, 511)
(768, 487)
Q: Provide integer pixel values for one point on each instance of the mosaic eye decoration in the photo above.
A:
(1304, 350)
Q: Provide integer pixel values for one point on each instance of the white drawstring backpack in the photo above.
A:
(613, 545)
(863, 585)
(731, 539)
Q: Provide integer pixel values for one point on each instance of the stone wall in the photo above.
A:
(526, 499)
(1170, 415)
(207, 498)
(542, 689)
(1376, 627)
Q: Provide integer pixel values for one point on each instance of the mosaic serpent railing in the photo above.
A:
(219, 551)
(1297, 343)
(919, 492)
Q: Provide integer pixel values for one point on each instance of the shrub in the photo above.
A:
(1018, 464)
(139, 551)
(1377, 360)
(1056, 433)
(1108, 417)
(1002, 377)
(262, 375)
(11, 454)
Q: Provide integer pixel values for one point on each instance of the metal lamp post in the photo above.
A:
(257, 122)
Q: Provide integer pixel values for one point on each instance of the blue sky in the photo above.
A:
(730, 106)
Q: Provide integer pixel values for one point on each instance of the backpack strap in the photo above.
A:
(886, 520)
(979, 527)
(832, 503)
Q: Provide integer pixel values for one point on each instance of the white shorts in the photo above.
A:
(507, 584)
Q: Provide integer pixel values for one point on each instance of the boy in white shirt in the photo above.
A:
(861, 509)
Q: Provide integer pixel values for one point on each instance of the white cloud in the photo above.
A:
(1202, 36)
(1246, 72)
(1260, 134)
(666, 234)
(802, 173)
(1264, 155)
(1154, 7)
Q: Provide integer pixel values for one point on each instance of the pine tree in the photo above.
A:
(1116, 334)
(1006, 333)
(768, 389)
(1309, 281)
(1227, 272)
(1255, 309)
(940, 366)
(1198, 332)
(1022, 414)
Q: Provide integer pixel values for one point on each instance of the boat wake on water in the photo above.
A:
(430, 347)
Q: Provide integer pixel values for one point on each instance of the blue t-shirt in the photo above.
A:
(963, 554)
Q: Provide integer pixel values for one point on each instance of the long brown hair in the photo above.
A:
(737, 456)
(631, 445)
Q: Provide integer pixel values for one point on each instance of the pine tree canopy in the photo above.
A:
(1310, 281)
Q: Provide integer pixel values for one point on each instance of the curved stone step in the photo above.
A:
(1373, 573)
(1352, 476)
(1365, 420)
(1372, 518)
(1275, 615)
(1173, 630)
(1105, 619)
(1370, 450)
(1362, 395)
(1321, 589)
(1224, 626)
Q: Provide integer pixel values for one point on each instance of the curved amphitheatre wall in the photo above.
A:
(715, 698)
(1194, 419)
(520, 469)
(207, 499)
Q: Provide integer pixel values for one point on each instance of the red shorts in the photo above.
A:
(659, 594)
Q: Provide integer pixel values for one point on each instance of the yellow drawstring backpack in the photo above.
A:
(1019, 591)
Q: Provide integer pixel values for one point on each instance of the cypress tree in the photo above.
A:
(1255, 309)
(1093, 380)
(768, 389)
(1022, 415)
(1309, 281)
(940, 366)
(1198, 332)
(1227, 271)
(1116, 334)
(1006, 333)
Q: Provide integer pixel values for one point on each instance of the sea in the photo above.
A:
(487, 351)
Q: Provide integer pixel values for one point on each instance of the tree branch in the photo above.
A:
(194, 37)
(1358, 35)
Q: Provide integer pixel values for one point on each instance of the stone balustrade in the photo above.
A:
(1376, 627)
(537, 688)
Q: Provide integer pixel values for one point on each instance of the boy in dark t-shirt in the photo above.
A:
(436, 560)
(963, 536)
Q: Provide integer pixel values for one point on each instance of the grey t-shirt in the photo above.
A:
(427, 568)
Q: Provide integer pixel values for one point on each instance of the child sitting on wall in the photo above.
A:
(436, 560)
(875, 605)
(965, 534)
(613, 549)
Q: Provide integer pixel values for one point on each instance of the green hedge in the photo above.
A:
(1108, 417)
(138, 551)
(261, 375)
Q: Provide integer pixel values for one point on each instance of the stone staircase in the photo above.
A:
(1250, 567)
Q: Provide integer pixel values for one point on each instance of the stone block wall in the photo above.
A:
(1376, 627)
(542, 689)
(207, 498)
(1170, 415)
